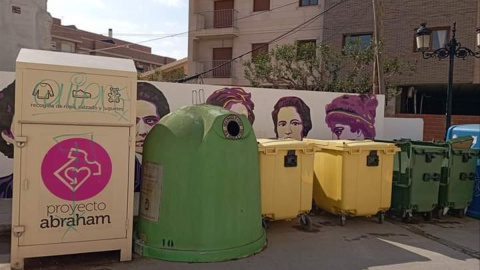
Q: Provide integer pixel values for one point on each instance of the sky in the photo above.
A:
(130, 20)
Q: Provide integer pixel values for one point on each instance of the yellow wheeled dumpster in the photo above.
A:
(286, 177)
(353, 178)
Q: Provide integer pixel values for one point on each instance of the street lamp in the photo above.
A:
(451, 50)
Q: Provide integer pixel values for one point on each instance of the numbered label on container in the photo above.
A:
(151, 191)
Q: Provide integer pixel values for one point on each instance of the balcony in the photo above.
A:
(216, 24)
(225, 71)
(219, 76)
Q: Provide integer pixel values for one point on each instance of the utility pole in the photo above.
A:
(378, 81)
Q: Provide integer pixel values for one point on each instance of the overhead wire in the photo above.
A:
(191, 31)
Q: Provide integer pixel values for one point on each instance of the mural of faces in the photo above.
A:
(291, 118)
(151, 107)
(235, 100)
(7, 104)
(352, 117)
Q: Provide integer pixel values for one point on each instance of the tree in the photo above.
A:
(320, 68)
(164, 76)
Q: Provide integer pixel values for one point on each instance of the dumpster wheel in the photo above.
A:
(343, 219)
(381, 216)
(407, 216)
(440, 212)
(264, 224)
(462, 212)
(305, 222)
(427, 216)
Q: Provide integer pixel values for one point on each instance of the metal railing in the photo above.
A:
(225, 18)
(225, 71)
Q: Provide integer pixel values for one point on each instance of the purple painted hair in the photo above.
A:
(356, 111)
(302, 109)
(227, 97)
(7, 109)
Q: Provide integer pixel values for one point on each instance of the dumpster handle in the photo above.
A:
(355, 151)
(389, 151)
(309, 151)
(270, 151)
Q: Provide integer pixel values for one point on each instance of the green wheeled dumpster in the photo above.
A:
(457, 184)
(416, 177)
(200, 190)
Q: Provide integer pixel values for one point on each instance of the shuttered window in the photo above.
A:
(259, 48)
(261, 5)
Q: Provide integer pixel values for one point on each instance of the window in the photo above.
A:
(306, 48)
(16, 9)
(356, 42)
(259, 49)
(261, 5)
(308, 2)
(66, 47)
(438, 37)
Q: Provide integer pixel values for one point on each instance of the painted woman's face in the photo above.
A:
(147, 117)
(344, 132)
(289, 124)
(7, 135)
(239, 108)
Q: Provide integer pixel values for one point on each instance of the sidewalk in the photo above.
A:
(450, 243)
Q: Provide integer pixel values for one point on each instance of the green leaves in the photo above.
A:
(306, 66)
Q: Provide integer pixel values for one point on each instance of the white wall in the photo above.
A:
(179, 95)
(29, 29)
(407, 128)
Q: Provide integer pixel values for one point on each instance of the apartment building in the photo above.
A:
(23, 24)
(227, 28)
(67, 38)
(221, 30)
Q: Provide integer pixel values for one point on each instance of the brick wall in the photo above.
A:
(400, 20)
(434, 124)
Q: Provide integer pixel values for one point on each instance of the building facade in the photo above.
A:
(31, 19)
(424, 92)
(221, 30)
(67, 38)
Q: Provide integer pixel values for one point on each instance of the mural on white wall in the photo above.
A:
(274, 113)
(352, 117)
(234, 99)
(7, 104)
(291, 118)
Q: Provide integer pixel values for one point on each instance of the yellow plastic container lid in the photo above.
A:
(283, 144)
(352, 145)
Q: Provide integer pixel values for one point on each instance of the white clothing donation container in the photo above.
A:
(74, 130)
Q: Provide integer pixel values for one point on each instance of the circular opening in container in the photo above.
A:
(233, 128)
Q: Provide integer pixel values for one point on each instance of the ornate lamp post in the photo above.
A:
(451, 50)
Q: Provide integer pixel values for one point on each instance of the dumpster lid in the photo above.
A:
(349, 144)
(282, 143)
(463, 142)
(428, 144)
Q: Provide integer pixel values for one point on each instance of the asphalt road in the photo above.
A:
(450, 243)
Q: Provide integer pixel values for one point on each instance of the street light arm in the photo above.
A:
(446, 52)
(441, 53)
(463, 52)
